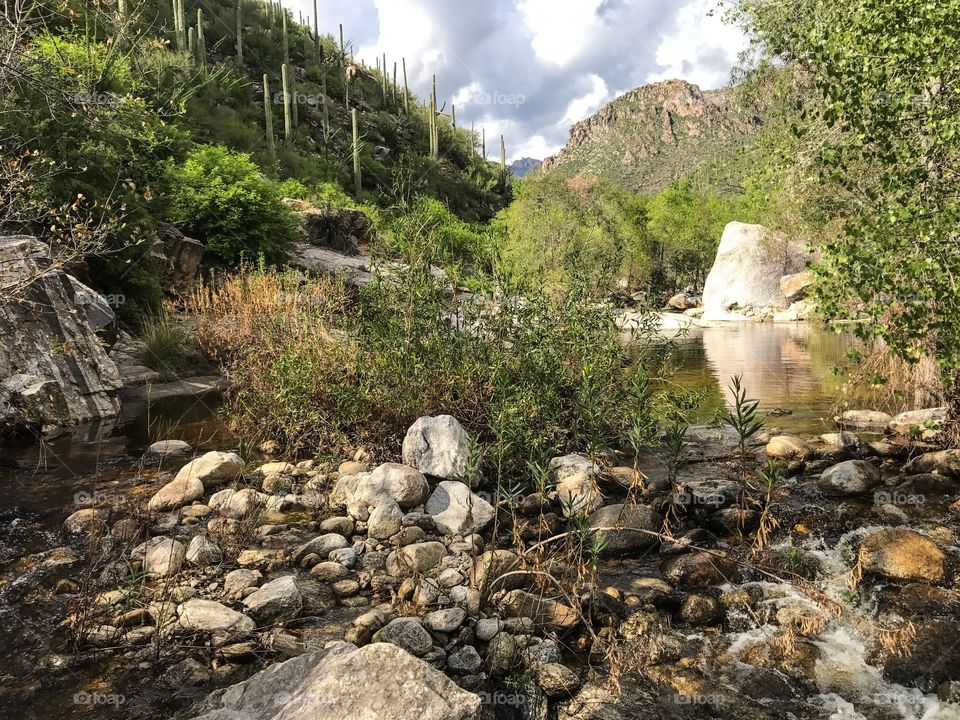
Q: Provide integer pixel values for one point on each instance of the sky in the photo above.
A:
(529, 69)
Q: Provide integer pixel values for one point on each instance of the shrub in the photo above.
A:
(221, 198)
(165, 346)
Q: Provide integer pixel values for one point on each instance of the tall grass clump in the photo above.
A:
(319, 370)
(165, 346)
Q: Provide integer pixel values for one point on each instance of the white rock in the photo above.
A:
(162, 556)
(203, 551)
(579, 493)
(457, 510)
(169, 447)
(567, 465)
(213, 468)
(176, 494)
(437, 446)
(278, 599)
(236, 504)
(209, 616)
(385, 520)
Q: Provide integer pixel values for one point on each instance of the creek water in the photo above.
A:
(788, 368)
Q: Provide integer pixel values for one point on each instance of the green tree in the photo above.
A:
(888, 82)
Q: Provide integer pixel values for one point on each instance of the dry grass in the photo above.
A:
(883, 380)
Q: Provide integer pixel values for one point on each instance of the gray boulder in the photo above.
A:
(852, 477)
(626, 529)
(437, 446)
(457, 510)
(407, 633)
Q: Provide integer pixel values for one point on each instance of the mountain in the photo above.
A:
(524, 166)
(654, 134)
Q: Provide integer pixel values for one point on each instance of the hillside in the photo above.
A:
(654, 134)
(524, 166)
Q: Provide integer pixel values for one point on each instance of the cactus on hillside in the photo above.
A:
(287, 112)
(239, 34)
(268, 118)
(356, 154)
(201, 43)
(406, 89)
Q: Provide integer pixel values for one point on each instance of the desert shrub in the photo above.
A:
(165, 346)
(220, 197)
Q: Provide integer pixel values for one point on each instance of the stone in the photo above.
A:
(789, 447)
(557, 680)
(322, 545)
(546, 651)
(203, 551)
(163, 448)
(437, 446)
(447, 620)
(343, 683)
(566, 465)
(415, 559)
(864, 419)
(237, 504)
(54, 368)
(340, 525)
(907, 423)
(329, 571)
(902, 554)
(841, 439)
(176, 494)
(404, 484)
(747, 269)
(456, 510)
(87, 521)
(795, 286)
(633, 525)
(210, 616)
(701, 610)
(180, 259)
(544, 611)
(681, 301)
(699, 569)
(213, 468)
(236, 583)
(851, 477)
(502, 653)
(487, 628)
(408, 536)
(162, 556)
(406, 633)
(578, 493)
(465, 661)
(346, 556)
(385, 520)
(943, 462)
(276, 600)
(492, 565)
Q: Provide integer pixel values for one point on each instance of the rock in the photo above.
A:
(681, 301)
(278, 599)
(385, 520)
(54, 368)
(404, 484)
(578, 493)
(164, 448)
(636, 521)
(340, 229)
(237, 504)
(209, 616)
(502, 653)
(322, 545)
(701, 610)
(699, 569)
(902, 555)
(572, 464)
(796, 285)
(557, 680)
(789, 447)
(944, 462)
(237, 582)
(329, 571)
(176, 494)
(344, 683)
(906, 423)
(487, 628)
(447, 620)
(181, 257)
(406, 633)
(346, 556)
(852, 477)
(437, 446)
(162, 556)
(212, 469)
(203, 551)
(87, 521)
(415, 559)
(841, 439)
(456, 510)
(465, 661)
(925, 484)
(864, 419)
(544, 611)
(746, 272)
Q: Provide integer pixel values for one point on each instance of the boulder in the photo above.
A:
(210, 616)
(906, 423)
(446, 620)
(343, 683)
(699, 569)
(492, 568)
(176, 494)
(746, 272)
(343, 230)
(203, 551)
(902, 555)
(54, 366)
(405, 485)
(842, 439)
(385, 520)
(415, 559)
(789, 447)
(87, 520)
(321, 545)
(456, 510)
(942, 462)
(851, 477)
(864, 419)
(236, 504)
(180, 257)
(162, 556)
(406, 633)
(276, 600)
(633, 525)
(557, 680)
(164, 448)
(566, 465)
(212, 468)
(681, 302)
(796, 285)
(437, 446)
(465, 661)
(544, 611)
(578, 493)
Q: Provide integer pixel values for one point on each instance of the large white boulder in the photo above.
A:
(747, 270)
(456, 510)
(437, 446)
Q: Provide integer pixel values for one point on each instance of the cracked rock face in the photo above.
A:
(54, 367)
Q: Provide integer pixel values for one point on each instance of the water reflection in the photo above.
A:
(784, 366)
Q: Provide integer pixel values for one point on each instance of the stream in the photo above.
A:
(833, 666)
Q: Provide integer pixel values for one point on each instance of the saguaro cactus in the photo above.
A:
(356, 154)
(239, 34)
(268, 118)
(192, 42)
(201, 43)
(286, 47)
(316, 34)
(287, 112)
(179, 26)
(406, 90)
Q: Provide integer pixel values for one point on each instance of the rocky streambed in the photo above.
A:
(193, 583)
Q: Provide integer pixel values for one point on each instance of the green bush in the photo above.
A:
(220, 197)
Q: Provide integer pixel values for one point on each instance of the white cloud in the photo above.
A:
(580, 107)
(560, 28)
